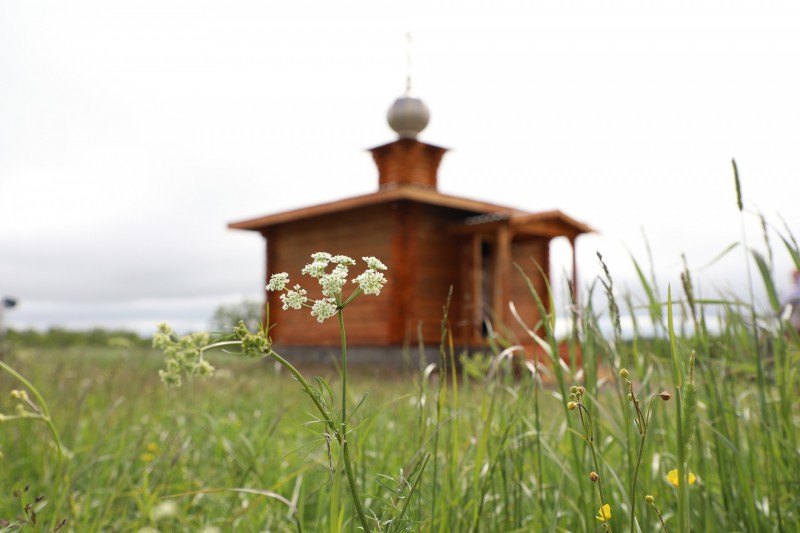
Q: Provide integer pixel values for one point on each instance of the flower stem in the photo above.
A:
(44, 417)
(339, 432)
(344, 371)
(683, 493)
(306, 387)
(589, 436)
(643, 419)
(348, 466)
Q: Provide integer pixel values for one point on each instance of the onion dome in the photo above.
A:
(408, 117)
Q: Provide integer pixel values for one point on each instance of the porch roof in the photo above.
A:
(543, 224)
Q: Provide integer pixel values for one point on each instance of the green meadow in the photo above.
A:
(710, 391)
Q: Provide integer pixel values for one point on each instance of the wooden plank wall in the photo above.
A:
(527, 254)
(358, 233)
(423, 260)
(437, 256)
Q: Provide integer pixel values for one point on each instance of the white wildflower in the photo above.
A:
(371, 281)
(315, 269)
(323, 257)
(343, 260)
(373, 263)
(333, 283)
(165, 509)
(323, 309)
(294, 299)
(278, 282)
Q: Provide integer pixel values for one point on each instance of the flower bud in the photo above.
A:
(623, 373)
(572, 406)
(593, 476)
(581, 390)
(630, 397)
(573, 389)
(649, 499)
(665, 396)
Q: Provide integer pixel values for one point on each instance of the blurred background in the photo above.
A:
(131, 133)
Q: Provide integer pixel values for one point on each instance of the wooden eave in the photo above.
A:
(550, 224)
(545, 224)
(400, 192)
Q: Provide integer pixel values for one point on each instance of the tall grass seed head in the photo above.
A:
(689, 415)
(593, 476)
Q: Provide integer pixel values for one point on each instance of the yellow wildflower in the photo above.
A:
(672, 477)
(147, 457)
(604, 513)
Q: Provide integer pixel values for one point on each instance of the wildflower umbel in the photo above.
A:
(184, 355)
(293, 299)
(332, 282)
(278, 282)
(323, 309)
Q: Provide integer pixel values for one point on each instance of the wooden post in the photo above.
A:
(477, 288)
(502, 273)
(574, 273)
(269, 247)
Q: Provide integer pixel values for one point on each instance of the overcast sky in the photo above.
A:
(132, 132)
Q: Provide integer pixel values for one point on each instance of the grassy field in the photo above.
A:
(505, 454)
(496, 448)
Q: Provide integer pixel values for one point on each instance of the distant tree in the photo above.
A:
(227, 316)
